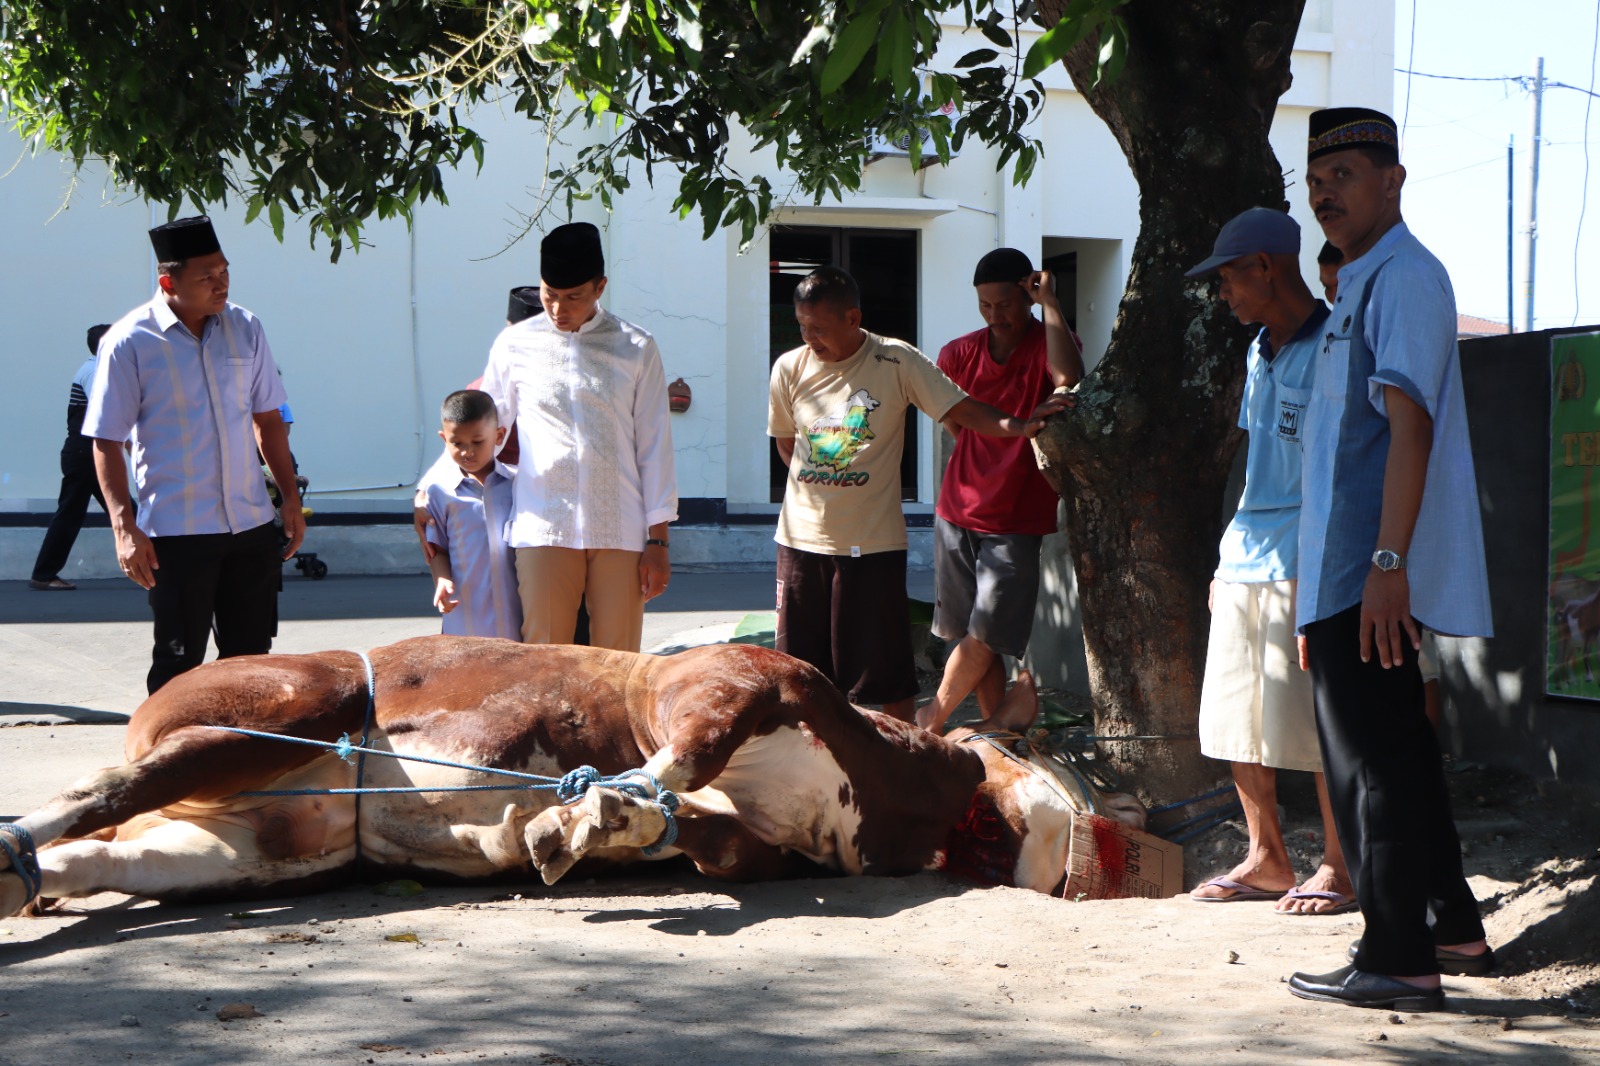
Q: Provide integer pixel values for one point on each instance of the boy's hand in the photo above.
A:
(444, 595)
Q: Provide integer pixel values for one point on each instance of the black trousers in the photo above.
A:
(1390, 805)
(222, 582)
(78, 484)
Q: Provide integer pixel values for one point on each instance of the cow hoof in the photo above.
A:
(556, 866)
(545, 835)
(13, 897)
(603, 806)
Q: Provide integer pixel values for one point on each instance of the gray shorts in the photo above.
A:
(986, 585)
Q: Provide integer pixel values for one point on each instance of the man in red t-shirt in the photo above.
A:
(995, 507)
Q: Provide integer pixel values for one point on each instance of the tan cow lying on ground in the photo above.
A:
(775, 770)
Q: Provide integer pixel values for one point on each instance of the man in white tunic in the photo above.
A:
(595, 484)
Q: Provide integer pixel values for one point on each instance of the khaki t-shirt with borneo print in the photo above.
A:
(848, 423)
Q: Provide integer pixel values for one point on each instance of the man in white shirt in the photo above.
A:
(189, 381)
(595, 487)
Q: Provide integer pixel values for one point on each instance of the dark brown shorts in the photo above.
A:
(849, 617)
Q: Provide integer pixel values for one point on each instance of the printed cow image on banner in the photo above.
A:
(1572, 658)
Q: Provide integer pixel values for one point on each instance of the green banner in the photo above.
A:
(1572, 657)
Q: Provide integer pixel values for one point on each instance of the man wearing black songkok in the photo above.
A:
(189, 383)
(589, 398)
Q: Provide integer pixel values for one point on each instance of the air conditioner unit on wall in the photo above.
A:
(881, 147)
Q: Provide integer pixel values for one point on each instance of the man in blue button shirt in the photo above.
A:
(188, 381)
(1390, 537)
(1255, 702)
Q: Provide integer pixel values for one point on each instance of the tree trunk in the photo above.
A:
(1143, 459)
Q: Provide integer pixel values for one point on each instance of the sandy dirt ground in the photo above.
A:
(662, 966)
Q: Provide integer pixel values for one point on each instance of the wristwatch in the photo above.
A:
(1386, 560)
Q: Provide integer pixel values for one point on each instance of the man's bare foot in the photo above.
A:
(1326, 891)
(1259, 882)
(1018, 707)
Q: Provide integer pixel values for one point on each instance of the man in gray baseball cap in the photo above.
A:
(1255, 702)
(1257, 231)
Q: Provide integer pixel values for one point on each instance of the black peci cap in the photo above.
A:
(185, 238)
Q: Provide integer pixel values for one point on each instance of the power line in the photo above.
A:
(1411, 57)
(1523, 80)
(1583, 203)
(1459, 77)
(1446, 173)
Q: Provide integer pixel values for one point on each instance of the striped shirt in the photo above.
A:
(78, 398)
(187, 406)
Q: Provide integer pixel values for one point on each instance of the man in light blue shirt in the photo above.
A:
(188, 382)
(1255, 703)
(1390, 536)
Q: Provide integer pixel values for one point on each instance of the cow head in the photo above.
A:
(1018, 830)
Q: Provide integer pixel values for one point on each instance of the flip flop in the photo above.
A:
(1242, 893)
(1342, 904)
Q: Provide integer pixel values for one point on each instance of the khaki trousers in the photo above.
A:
(552, 582)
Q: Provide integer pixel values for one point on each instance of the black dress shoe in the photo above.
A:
(1357, 988)
(1451, 963)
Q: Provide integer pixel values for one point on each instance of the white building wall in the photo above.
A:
(369, 346)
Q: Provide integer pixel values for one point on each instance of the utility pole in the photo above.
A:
(1511, 233)
(1533, 189)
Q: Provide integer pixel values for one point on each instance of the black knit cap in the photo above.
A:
(184, 238)
(1002, 264)
(1334, 129)
(524, 303)
(570, 256)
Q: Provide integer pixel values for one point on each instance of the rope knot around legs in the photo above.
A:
(640, 784)
(17, 843)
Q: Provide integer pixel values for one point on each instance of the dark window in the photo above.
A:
(884, 264)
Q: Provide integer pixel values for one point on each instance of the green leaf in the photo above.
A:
(849, 49)
(996, 34)
(977, 58)
(275, 216)
(895, 54)
(1057, 41)
(1113, 51)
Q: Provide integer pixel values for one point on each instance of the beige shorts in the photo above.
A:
(1255, 703)
(1428, 657)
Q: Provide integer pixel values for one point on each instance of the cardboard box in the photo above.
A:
(1109, 860)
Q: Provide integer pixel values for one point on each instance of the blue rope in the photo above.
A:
(576, 783)
(24, 859)
(1192, 799)
(344, 749)
(569, 788)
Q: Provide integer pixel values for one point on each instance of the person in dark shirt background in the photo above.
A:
(78, 482)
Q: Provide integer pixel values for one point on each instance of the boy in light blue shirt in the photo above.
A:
(469, 502)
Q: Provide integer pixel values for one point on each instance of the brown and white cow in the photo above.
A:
(774, 768)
